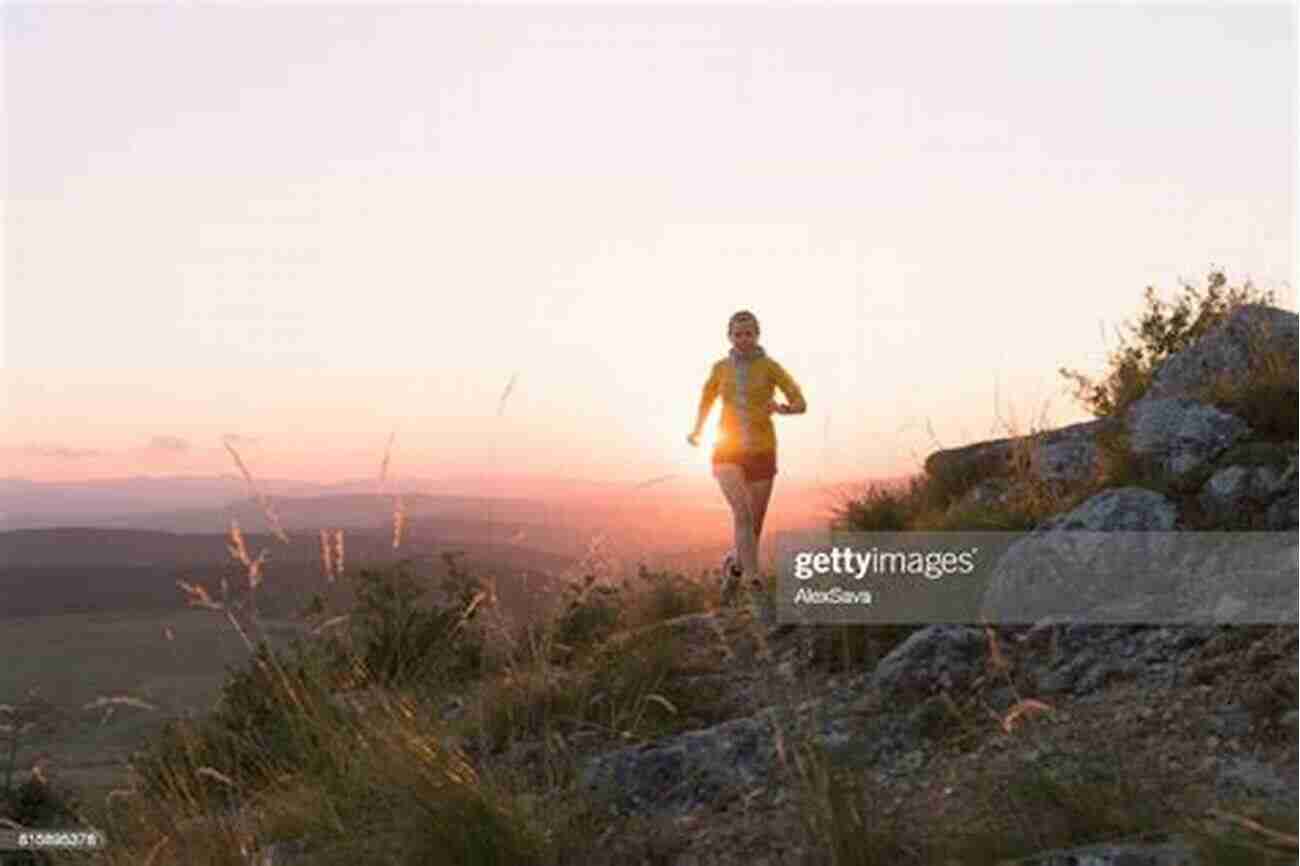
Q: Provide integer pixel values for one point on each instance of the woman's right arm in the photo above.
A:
(709, 394)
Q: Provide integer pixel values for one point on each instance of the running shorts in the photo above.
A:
(758, 466)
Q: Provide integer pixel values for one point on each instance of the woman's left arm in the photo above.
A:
(790, 388)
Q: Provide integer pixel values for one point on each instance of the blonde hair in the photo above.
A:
(744, 317)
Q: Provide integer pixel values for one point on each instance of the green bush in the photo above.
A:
(880, 509)
(1267, 403)
(590, 613)
(276, 716)
(1161, 330)
(666, 595)
(401, 642)
(264, 725)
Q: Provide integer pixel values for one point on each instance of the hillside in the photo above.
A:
(46, 571)
(1129, 723)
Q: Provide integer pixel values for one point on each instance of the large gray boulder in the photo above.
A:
(1040, 575)
(1227, 349)
(1119, 557)
(1236, 490)
(1178, 439)
(1181, 437)
(677, 774)
(1122, 509)
(936, 657)
(1066, 454)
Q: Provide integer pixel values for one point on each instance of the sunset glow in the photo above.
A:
(381, 216)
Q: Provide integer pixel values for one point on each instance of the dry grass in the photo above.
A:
(1264, 395)
(396, 784)
(935, 503)
(529, 694)
(1009, 805)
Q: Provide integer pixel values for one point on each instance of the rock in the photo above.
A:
(1121, 509)
(1101, 674)
(1235, 492)
(1069, 458)
(988, 492)
(1278, 455)
(930, 718)
(1172, 851)
(1057, 682)
(1228, 349)
(1065, 454)
(287, 853)
(681, 773)
(1229, 608)
(935, 657)
(1043, 575)
(1243, 774)
(1177, 439)
(1232, 720)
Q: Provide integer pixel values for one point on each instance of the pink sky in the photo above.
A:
(381, 215)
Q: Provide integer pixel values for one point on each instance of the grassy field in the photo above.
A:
(72, 660)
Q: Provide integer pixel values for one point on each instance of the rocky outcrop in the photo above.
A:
(882, 720)
(1174, 439)
(1117, 558)
(676, 775)
(940, 656)
(1068, 454)
(1230, 490)
(1075, 618)
(1189, 449)
(1036, 596)
(1227, 349)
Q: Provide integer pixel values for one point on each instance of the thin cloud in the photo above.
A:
(61, 452)
(168, 443)
(659, 480)
(239, 439)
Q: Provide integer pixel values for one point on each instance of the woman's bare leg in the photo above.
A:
(731, 479)
(760, 493)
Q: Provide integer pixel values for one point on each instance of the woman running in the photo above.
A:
(744, 455)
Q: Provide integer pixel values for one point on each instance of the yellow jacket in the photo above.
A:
(746, 385)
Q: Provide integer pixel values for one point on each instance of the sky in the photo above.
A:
(298, 230)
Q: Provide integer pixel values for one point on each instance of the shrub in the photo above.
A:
(263, 726)
(666, 595)
(1162, 329)
(591, 612)
(1266, 397)
(880, 509)
(401, 642)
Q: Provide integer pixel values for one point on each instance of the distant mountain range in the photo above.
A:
(204, 504)
(556, 516)
(121, 544)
